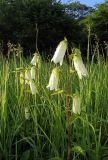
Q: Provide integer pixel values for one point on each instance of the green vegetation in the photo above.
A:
(50, 111)
(43, 135)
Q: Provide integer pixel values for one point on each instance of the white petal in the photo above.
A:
(32, 72)
(60, 52)
(33, 61)
(80, 68)
(76, 105)
(53, 81)
(33, 87)
(36, 60)
(27, 76)
(51, 84)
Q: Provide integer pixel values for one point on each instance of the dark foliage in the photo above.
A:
(54, 21)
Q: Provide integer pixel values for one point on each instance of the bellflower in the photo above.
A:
(76, 104)
(79, 65)
(33, 87)
(54, 78)
(33, 72)
(27, 76)
(36, 60)
(60, 52)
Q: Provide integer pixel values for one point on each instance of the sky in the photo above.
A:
(87, 2)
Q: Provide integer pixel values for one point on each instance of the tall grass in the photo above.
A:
(43, 136)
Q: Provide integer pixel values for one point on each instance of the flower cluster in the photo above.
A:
(79, 68)
(26, 78)
(57, 58)
(29, 75)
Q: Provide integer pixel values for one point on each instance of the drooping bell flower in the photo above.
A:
(76, 104)
(60, 52)
(33, 72)
(54, 78)
(27, 76)
(79, 65)
(36, 60)
(33, 87)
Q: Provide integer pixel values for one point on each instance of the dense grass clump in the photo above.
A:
(43, 136)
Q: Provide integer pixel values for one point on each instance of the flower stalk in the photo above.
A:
(68, 128)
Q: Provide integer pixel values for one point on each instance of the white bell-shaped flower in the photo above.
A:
(79, 65)
(27, 76)
(36, 60)
(60, 52)
(33, 72)
(33, 87)
(76, 104)
(54, 78)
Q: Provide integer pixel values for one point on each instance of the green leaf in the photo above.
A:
(58, 92)
(73, 118)
(25, 155)
(79, 150)
(56, 158)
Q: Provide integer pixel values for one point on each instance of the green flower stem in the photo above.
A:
(68, 128)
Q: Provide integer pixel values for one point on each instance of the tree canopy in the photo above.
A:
(100, 21)
(54, 21)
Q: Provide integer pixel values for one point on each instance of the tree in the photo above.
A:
(96, 26)
(19, 18)
(100, 21)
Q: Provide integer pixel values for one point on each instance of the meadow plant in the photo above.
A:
(67, 120)
(54, 78)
